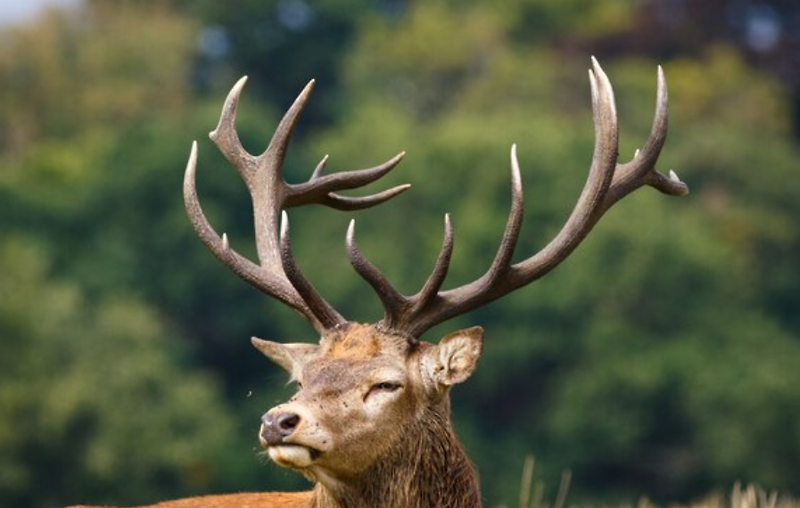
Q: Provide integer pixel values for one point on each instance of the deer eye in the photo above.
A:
(386, 386)
(383, 387)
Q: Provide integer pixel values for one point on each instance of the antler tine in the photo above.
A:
(398, 308)
(225, 136)
(649, 153)
(393, 302)
(283, 133)
(320, 168)
(346, 203)
(641, 170)
(318, 188)
(327, 315)
(502, 260)
(434, 283)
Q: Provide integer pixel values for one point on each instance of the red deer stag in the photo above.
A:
(370, 422)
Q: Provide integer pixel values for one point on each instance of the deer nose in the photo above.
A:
(275, 426)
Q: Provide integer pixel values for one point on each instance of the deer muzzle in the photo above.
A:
(278, 425)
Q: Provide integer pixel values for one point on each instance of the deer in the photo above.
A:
(370, 422)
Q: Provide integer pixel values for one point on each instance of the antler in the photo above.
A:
(607, 183)
(276, 273)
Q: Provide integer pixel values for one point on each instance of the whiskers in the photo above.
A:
(262, 455)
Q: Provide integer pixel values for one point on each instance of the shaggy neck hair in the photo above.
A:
(426, 469)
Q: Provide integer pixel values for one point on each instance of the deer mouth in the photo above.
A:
(293, 456)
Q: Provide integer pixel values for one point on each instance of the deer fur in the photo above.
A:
(395, 449)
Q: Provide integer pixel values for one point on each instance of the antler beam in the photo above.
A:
(276, 273)
(607, 183)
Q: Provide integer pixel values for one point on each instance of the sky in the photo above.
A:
(20, 11)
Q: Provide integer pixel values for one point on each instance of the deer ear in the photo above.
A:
(290, 357)
(454, 359)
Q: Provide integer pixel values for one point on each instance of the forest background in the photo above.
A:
(661, 360)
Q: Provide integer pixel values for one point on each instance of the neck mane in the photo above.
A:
(427, 469)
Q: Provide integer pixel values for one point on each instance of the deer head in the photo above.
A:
(370, 422)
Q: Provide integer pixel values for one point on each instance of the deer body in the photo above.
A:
(248, 500)
(370, 421)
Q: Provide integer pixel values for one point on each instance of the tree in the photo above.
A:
(95, 406)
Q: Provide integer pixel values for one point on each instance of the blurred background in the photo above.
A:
(661, 360)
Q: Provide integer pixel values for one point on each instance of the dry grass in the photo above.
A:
(531, 495)
(750, 496)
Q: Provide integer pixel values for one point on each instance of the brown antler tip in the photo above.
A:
(319, 169)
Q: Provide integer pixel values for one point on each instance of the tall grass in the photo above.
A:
(532, 495)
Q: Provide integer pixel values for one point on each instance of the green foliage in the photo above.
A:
(93, 393)
(658, 360)
(64, 77)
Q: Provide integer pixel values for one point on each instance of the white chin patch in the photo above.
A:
(290, 456)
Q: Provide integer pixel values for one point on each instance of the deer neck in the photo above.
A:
(427, 469)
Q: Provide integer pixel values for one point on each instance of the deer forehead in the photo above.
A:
(359, 342)
(360, 354)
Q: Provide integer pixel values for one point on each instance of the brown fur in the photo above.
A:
(426, 469)
(358, 342)
(249, 500)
